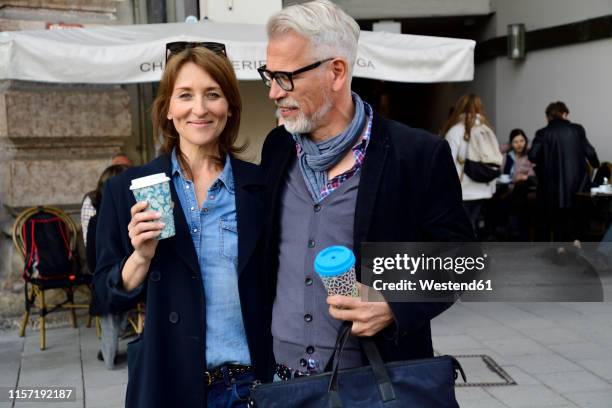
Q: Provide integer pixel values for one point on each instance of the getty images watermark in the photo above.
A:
(502, 271)
(427, 264)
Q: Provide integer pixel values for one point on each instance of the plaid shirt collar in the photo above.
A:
(359, 152)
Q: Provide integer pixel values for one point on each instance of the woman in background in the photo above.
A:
(514, 202)
(516, 163)
(467, 116)
(111, 324)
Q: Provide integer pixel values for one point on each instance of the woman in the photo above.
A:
(207, 331)
(467, 117)
(514, 202)
(516, 163)
(89, 211)
(111, 324)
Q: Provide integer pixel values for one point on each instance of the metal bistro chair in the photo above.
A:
(135, 318)
(46, 239)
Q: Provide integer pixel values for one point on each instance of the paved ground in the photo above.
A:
(559, 354)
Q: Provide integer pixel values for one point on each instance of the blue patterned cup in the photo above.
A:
(335, 266)
(155, 190)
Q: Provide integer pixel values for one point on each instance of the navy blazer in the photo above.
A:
(166, 363)
(409, 191)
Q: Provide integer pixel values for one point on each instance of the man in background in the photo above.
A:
(560, 152)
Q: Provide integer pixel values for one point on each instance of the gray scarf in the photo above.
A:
(316, 158)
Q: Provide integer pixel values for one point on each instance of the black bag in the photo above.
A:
(417, 383)
(481, 172)
(48, 252)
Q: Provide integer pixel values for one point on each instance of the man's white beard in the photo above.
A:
(301, 123)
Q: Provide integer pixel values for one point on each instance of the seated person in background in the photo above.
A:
(512, 202)
(516, 163)
(111, 324)
(121, 158)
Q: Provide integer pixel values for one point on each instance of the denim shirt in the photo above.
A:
(214, 233)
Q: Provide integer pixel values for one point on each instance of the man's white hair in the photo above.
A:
(331, 32)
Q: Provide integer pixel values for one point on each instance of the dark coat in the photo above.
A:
(408, 192)
(560, 152)
(90, 248)
(97, 306)
(166, 363)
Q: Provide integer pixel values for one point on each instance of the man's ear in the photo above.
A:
(340, 73)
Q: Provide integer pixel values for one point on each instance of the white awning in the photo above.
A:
(136, 53)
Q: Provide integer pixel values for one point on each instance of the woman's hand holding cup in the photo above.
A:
(144, 228)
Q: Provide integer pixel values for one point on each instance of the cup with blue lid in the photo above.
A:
(335, 266)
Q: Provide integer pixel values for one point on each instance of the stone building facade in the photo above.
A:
(55, 140)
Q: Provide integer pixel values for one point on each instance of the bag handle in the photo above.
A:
(374, 359)
(380, 371)
(343, 334)
(332, 390)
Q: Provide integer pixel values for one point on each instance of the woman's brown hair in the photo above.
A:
(469, 106)
(221, 70)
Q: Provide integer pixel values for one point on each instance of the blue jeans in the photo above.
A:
(230, 393)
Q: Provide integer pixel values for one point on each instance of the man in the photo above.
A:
(338, 174)
(560, 152)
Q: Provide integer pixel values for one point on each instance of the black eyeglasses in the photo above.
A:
(178, 46)
(285, 79)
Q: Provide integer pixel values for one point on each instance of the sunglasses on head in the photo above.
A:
(178, 46)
